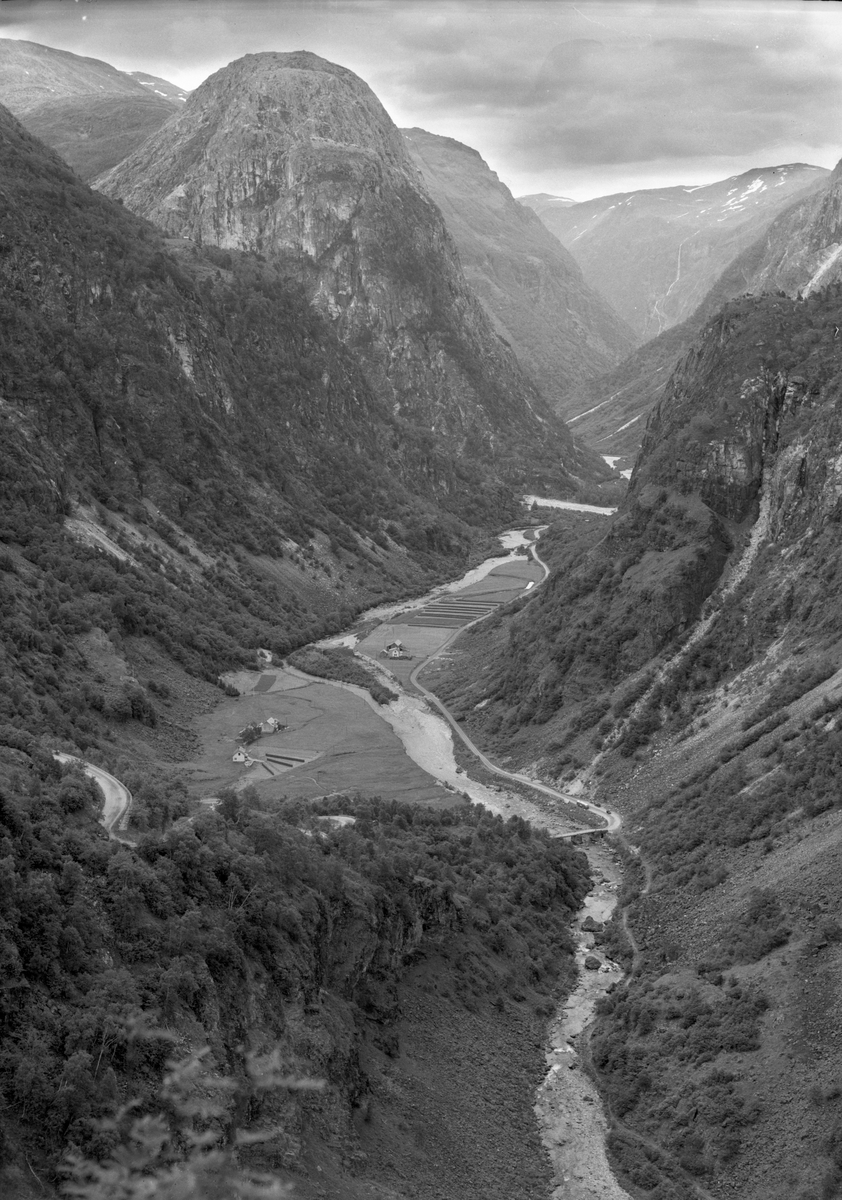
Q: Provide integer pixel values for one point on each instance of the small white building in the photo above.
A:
(396, 649)
(240, 755)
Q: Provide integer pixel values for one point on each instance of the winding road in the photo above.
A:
(611, 821)
(118, 798)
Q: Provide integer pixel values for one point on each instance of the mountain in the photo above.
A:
(532, 290)
(546, 198)
(654, 254)
(89, 112)
(610, 411)
(192, 467)
(684, 662)
(192, 401)
(160, 87)
(294, 158)
(798, 254)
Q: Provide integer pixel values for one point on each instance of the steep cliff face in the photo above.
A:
(292, 157)
(721, 743)
(736, 802)
(731, 422)
(720, 450)
(532, 289)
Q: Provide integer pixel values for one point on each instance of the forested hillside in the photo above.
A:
(261, 932)
(192, 466)
(684, 662)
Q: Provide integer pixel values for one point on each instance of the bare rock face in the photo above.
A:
(289, 156)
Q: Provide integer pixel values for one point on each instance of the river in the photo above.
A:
(568, 1108)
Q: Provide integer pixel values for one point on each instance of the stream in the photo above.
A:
(568, 1108)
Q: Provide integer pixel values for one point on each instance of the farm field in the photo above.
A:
(424, 631)
(337, 729)
(349, 747)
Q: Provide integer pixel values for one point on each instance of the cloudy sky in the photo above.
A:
(574, 97)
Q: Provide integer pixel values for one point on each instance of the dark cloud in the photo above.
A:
(557, 95)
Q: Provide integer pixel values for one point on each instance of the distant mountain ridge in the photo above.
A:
(545, 198)
(532, 289)
(799, 253)
(655, 253)
(292, 157)
(160, 87)
(89, 112)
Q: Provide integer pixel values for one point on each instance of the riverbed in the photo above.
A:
(568, 1108)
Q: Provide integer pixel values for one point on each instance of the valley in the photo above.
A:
(442, 593)
(568, 1109)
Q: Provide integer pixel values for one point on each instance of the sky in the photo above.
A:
(577, 98)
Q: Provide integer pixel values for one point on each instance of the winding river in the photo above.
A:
(568, 1108)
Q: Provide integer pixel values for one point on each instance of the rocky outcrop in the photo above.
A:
(294, 158)
(531, 287)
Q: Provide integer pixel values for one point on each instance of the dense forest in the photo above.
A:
(225, 930)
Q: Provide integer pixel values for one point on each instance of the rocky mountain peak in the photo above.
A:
(259, 141)
(302, 98)
(294, 157)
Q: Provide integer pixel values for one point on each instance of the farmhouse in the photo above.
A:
(396, 650)
(240, 755)
(271, 725)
